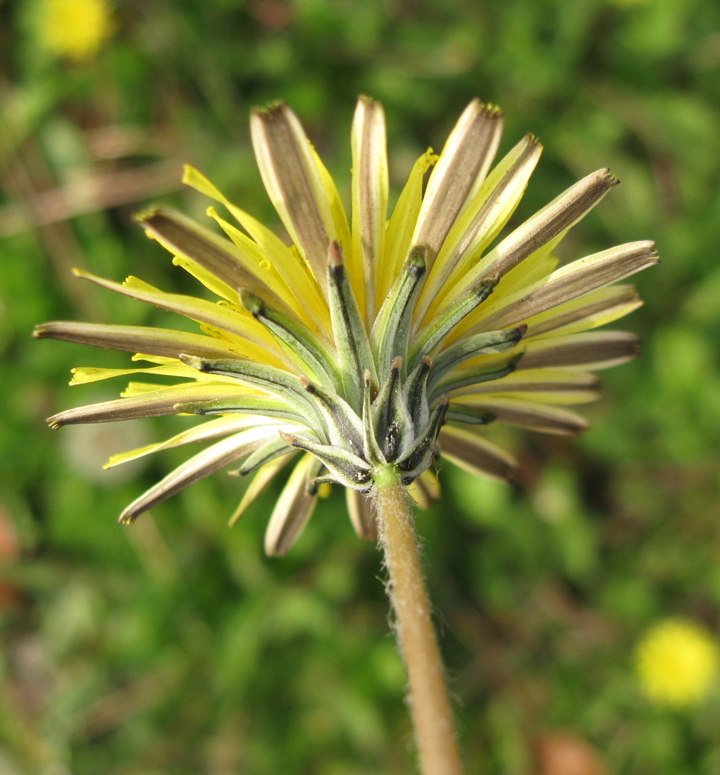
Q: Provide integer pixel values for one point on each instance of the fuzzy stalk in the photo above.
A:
(427, 691)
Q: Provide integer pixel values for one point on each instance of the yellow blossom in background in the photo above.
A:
(677, 662)
(74, 29)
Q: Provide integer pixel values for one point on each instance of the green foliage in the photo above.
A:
(175, 646)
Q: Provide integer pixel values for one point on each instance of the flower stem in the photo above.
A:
(427, 693)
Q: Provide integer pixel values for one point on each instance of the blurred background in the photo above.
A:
(175, 647)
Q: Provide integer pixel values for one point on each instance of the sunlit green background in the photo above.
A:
(176, 647)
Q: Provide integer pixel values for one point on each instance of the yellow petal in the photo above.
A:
(264, 267)
(577, 279)
(369, 201)
(533, 269)
(550, 385)
(425, 490)
(293, 182)
(259, 484)
(199, 466)
(459, 172)
(527, 413)
(550, 223)
(292, 510)
(226, 261)
(362, 514)
(481, 221)
(223, 426)
(588, 351)
(290, 265)
(339, 217)
(85, 374)
(402, 225)
(147, 401)
(590, 311)
(248, 336)
(476, 455)
(138, 339)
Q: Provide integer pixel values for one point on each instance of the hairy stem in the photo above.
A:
(428, 696)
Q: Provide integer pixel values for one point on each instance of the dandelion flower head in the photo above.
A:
(74, 28)
(677, 662)
(371, 341)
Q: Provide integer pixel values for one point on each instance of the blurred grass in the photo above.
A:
(175, 647)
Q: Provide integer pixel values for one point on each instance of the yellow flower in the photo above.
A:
(74, 28)
(677, 662)
(373, 343)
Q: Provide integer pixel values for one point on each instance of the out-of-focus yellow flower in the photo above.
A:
(677, 661)
(74, 28)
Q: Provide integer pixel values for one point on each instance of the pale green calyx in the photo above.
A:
(359, 426)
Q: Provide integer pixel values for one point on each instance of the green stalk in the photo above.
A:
(427, 690)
